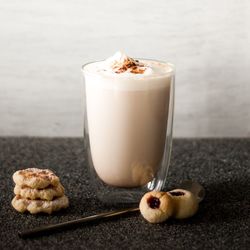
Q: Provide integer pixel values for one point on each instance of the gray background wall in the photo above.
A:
(43, 44)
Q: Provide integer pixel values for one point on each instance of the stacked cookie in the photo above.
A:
(38, 190)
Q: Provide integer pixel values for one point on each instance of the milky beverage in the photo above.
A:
(127, 104)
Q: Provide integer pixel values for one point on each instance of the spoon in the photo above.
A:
(189, 185)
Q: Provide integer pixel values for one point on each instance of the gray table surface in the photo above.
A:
(221, 165)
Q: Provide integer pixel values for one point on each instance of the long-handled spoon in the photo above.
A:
(191, 186)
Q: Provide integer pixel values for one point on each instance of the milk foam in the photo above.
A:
(122, 66)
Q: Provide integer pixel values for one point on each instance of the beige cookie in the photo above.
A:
(35, 178)
(185, 203)
(48, 193)
(39, 206)
(156, 206)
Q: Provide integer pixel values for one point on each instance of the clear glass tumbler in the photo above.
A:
(128, 125)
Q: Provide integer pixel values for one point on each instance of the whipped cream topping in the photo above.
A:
(121, 65)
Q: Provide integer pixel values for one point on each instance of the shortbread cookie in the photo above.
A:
(48, 193)
(156, 206)
(35, 178)
(185, 203)
(39, 206)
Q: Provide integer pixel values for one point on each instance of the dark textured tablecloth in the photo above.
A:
(222, 166)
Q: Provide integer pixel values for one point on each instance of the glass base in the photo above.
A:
(120, 197)
(116, 195)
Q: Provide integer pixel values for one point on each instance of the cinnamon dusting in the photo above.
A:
(129, 64)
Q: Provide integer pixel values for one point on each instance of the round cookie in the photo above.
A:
(185, 203)
(156, 206)
(35, 178)
(48, 193)
(39, 206)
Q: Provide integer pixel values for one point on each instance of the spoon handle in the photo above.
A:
(57, 226)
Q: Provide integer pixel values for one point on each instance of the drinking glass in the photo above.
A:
(128, 123)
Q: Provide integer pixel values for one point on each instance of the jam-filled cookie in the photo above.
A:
(156, 206)
(185, 203)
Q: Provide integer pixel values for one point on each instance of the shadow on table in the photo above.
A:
(225, 201)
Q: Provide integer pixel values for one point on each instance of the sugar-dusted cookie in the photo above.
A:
(48, 193)
(39, 206)
(35, 178)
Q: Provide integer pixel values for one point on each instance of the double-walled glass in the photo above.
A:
(128, 132)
